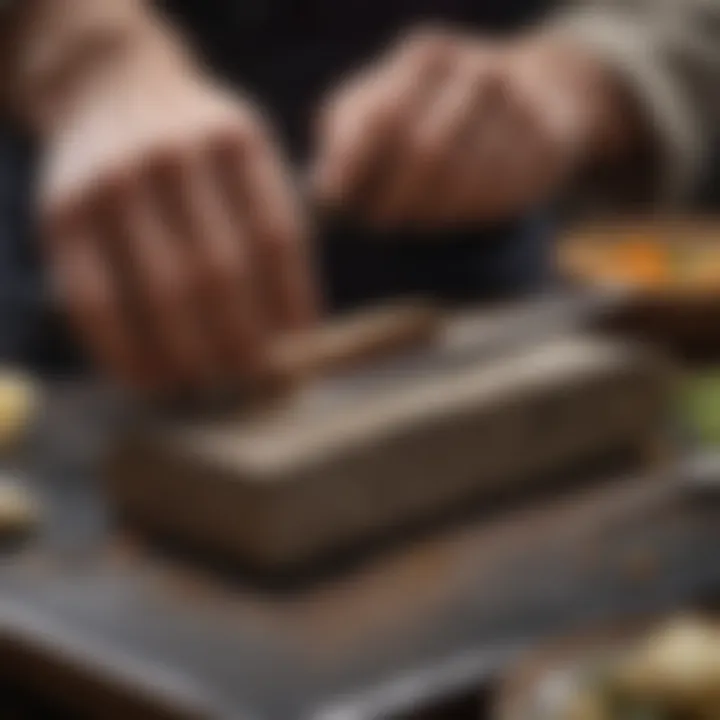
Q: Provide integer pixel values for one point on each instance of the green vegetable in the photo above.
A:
(621, 706)
(700, 406)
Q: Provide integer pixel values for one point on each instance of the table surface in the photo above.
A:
(430, 616)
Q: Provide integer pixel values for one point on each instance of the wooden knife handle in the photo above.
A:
(337, 345)
(351, 341)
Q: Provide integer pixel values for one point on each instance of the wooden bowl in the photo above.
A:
(669, 270)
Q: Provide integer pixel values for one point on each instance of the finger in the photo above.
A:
(87, 287)
(263, 197)
(360, 128)
(429, 144)
(557, 114)
(352, 133)
(490, 165)
(527, 154)
(520, 165)
(218, 247)
(164, 284)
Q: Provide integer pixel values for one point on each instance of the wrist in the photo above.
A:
(613, 130)
(65, 48)
(608, 122)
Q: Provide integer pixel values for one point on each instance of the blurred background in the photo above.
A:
(485, 483)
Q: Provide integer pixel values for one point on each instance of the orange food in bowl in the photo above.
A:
(637, 263)
(645, 263)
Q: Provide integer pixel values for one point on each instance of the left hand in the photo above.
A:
(452, 130)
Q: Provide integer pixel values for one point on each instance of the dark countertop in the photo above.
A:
(431, 616)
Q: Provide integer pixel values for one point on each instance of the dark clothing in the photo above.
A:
(288, 54)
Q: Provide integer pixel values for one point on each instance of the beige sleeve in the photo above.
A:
(667, 52)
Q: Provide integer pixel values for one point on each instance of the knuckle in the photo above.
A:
(237, 140)
(118, 176)
(109, 187)
(167, 157)
(246, 131)
(284, 231)
(223, 271)
(89, 303)
(61, 208)
(98, 307)
(56, 212)
(496, 84)
(382, 116)
(227, 138)
(426, 147)
(278, 241)
(171, 290)
(241, 275)
(473, 69)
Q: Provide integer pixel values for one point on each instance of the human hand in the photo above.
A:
(171, 226)
(453, 130)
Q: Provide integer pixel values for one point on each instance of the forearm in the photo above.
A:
(51, 46)
(665, 55)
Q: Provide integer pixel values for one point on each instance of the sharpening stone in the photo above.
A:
(353, 456)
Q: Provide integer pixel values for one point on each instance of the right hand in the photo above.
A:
(173, 233)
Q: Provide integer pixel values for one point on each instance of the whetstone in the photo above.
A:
(345, 461)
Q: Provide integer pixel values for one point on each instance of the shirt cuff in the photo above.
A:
(678, 139)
